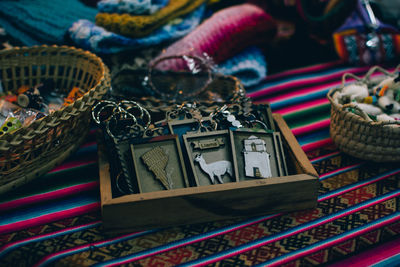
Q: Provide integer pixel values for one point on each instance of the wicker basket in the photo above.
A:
(357, 134)
(35, 149)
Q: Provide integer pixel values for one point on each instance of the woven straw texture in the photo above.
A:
(357, 134)
(35, 149)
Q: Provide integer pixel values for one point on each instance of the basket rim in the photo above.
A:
(340, 108)
(21, 49)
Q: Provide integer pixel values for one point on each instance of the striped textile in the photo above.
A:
(57, 221)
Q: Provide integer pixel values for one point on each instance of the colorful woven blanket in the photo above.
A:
(140, 26)
(89, 36)
(56, 220)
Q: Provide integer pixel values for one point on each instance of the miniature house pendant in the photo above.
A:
(256, 158)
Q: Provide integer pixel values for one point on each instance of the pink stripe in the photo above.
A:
(311, 127)
(337, 153)
(284, 87)
(372, 256)
(43, 260)
(222, 232)
(92, 143)
(77, 163)
(302, 92)
(311, 68)
(307, 90)
(315, 145)
(302, 82)
(12, 227)
(335, 242)
(48, 235)
(298, 231)
(236, 228)
(340, 170)
(193, 241)
(72, 164)
(302, 106)
(356, 187)
(60, 193)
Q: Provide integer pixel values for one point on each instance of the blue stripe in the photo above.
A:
(187, 240)
(48, 208)
(313, 161)
(330, 239)
(83, 153)
(358, 184)
(62, 255)
(261, 241)
(266, 85)
(183, 241)
(313, 137)
(340, 172)
(23, 243)
(298, 99)
(389, 262)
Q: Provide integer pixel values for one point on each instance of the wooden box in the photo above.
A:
(296, 191)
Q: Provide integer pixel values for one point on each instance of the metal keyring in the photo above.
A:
(131, 105)
(113, 117)
(99, 107)
(144, 113)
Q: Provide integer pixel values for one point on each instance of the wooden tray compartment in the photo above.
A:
(296, 191)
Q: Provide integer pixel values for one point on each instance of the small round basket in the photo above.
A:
(356, 134)
(35, 149)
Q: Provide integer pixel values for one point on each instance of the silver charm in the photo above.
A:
(256, 157)
(218, 168)
(223, 116)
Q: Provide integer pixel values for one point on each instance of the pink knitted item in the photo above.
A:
(223, 35)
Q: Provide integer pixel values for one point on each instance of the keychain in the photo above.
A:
(122, 121)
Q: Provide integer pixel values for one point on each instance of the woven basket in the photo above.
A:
(357, 134)
(35, 149)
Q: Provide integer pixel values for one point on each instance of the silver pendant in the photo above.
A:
(256, 158)
(214, 169)
(211, 157)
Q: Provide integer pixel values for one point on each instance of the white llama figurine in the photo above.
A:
(218, 168)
